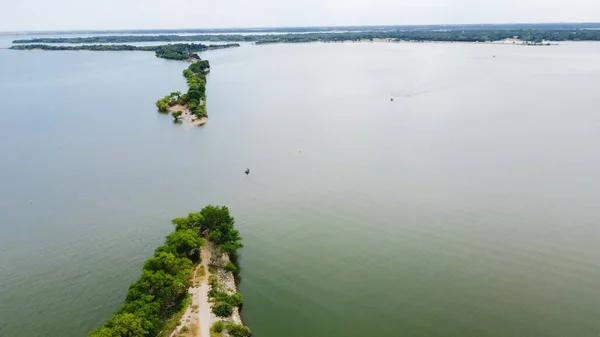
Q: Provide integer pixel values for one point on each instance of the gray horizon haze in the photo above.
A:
(37, 15)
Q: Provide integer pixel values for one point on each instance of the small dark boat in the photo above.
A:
(247, 171)
(391, 99)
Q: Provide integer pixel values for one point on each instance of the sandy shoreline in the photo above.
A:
(187, 116)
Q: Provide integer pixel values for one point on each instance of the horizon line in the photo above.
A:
(258, 28)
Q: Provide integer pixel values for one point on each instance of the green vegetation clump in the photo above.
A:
(218, 326)
(213, 282)
(230, 267)
(222, 309)
(232, 329)
(235, 300)
(195, 98)
(177, 114)
(238, 330)
(161, 291)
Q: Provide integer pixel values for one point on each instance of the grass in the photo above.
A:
(192, 331)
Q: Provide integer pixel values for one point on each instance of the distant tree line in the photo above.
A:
(513, 26)
(179, 51)
(448, 35)
(161, 290)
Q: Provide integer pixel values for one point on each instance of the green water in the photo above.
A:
(468, 206)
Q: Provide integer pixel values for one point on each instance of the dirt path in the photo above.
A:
(203, 304)
(197, 316)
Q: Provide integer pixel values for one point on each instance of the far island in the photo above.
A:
(176, 51)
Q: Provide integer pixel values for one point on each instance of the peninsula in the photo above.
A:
(190, 106)
(188, 288)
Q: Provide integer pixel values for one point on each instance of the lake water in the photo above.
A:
(468, 206)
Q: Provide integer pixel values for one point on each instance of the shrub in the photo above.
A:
(218, 326)
(230, 267)
(213, 293)
(184, 328)
(235, 300)
(212, 281)
(238, 330)
(223, 309)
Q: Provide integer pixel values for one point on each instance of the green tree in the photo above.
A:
(123, 325)
(165, 288)
(177, 114)
(192, 221)
(185, 242)
(147, 308)
(168, 262)
(214, 217)
(103, 332)
(194, 94)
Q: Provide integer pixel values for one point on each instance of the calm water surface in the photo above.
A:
(468, 206)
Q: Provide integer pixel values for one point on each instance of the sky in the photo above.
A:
(25, 15)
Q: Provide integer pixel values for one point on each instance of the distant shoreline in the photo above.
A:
(531, 35)
(301, 29)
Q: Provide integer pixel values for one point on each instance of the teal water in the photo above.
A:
(465, 207)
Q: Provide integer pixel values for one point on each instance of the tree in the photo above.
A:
(124, 325)
(192, 221)
(165, 288)
(185, 242)
(177, 114)
(162, 105)
(194, 94)
(214, 217)
(167, 262)
(147, 308)
(103, 332)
